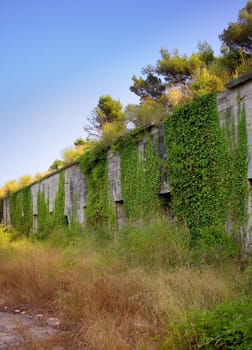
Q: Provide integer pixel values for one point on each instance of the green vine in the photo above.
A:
(237, 167)
(100, 211)
(21, 210)
(46, 220)
(59, 205)
(207, 167)
(140, 180)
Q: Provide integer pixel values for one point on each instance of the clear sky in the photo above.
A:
(59, 56)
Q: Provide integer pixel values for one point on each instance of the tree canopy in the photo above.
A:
(107, 114)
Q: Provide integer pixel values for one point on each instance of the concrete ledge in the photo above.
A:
(241, 80)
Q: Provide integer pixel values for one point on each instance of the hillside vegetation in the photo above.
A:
(145, 289)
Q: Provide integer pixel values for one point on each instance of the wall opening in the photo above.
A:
(166, 204)
(119, 213)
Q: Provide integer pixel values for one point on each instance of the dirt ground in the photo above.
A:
(23, 328)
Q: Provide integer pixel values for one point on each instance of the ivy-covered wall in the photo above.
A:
(21, 210)
(55, 201)
(100, 208)
(208, 147)
(140, 177)
(208, 166)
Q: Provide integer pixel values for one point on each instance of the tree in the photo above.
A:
(149, 112)
(25, 180)
(81, 146)
(108, 110)
(206, 52)
(237, 42)
(176, 69)
(151, 87)
(57, 164)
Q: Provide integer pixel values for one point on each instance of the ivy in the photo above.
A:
(237, 167)
(45, 219)
(207, 166)
(59, 205)
(100, 211)
(48, 220)
(206, 163)
(140, 180)
(21, 210)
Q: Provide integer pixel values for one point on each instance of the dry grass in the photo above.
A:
(108, 306)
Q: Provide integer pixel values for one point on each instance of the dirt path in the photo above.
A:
(18, 327)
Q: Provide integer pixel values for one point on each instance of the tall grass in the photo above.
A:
(115, 294)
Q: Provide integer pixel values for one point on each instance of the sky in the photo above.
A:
(59, 56)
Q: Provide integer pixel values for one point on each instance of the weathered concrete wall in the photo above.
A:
(75, 193)
(6, 211)
(76, 186)
(239, 94)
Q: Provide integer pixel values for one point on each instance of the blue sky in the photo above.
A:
(59, 56)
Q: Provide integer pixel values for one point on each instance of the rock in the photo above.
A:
(53, 322)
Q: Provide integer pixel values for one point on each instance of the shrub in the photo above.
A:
(227, 327)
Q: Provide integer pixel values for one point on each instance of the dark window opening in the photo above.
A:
(166, 204)
(66, 220)
(119, 213)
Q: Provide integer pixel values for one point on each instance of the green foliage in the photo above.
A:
(227, 327)
(195, 160)
(109, 111)
(207, 166)
(236, 169)
(100, 209)
(237, 36)
(207, 82)
(59, 205)
(151, 87)
(148, 112)
(21, 210)
(206, 52)
(57, 164)
(214, 246)
(140, 179)
(156, 244)
(46, 219)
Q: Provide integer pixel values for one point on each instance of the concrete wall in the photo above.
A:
(75, 182)
(228, 104)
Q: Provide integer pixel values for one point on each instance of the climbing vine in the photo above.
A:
(100, 211)
(21, 210)
(45, 219)
(207, 167)
(59, 205)
(237, 167)
(48, 220)
(140, 179)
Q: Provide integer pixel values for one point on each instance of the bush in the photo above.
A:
(214, 246)
(227, 327)
(156, 244)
